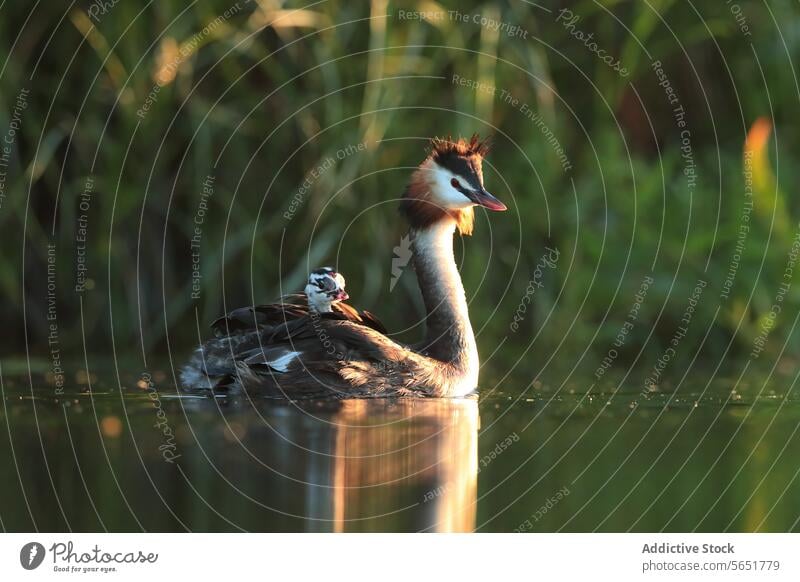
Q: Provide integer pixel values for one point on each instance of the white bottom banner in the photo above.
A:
(383, 557)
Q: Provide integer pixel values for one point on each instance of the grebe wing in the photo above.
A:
(330, 337)
(252, 318)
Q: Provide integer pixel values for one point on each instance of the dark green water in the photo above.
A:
(550, 461)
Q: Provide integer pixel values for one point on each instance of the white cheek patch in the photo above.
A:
(317, 300)
(445, 194)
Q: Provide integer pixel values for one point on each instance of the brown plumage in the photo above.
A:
(285, 350)
(291, 308)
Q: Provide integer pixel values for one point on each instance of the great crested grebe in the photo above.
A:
(315, 346)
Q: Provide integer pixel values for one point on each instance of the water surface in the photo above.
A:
(143, 457)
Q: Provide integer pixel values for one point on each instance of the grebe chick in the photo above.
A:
(325, 288)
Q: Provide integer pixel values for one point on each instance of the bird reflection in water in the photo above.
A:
(430, 447)
(351, 465)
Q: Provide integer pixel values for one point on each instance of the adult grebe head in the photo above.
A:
(448, 184)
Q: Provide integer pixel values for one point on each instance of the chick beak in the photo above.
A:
(483, 198)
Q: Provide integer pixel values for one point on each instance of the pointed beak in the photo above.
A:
(342, 296)
(483, 198)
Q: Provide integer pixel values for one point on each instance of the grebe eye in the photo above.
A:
(454, 183)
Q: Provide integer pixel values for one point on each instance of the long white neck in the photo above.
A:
(449, 336)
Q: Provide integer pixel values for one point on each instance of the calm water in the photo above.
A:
(145, 458)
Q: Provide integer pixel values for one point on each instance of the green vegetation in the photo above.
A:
(136, 124)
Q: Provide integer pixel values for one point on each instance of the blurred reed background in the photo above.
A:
(131, 106)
